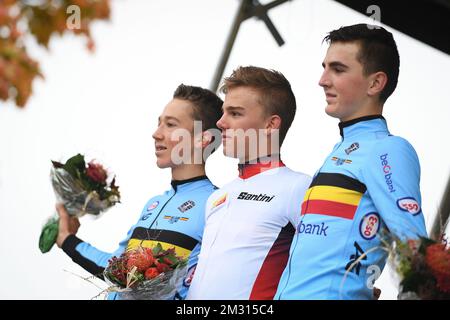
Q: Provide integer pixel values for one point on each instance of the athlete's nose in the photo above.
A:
(221, 123)
(324, 80)
(157, 135)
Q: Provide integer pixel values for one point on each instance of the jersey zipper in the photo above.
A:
(157, 216)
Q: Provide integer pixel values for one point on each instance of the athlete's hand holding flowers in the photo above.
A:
(146, 273)
(79, 189)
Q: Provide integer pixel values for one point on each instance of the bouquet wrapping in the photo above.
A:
(83, 189)
(146, 274)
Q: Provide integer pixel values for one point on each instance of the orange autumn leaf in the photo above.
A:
(42, 20)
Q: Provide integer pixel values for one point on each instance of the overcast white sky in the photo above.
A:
(106, 104)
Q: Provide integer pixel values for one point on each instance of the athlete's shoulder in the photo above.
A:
(392, 140)
(230, 185)
(222, 191)
(297, 175)
(206, 188)
(216, 200)
(159, 197)
(394, 145)
(389, 153)
(211, 186)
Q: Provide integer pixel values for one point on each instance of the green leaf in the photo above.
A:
(75, 166)
(48, 235)
(57, 164)
(172, 259)
(156, 250)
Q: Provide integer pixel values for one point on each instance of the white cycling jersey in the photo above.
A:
(250, 224)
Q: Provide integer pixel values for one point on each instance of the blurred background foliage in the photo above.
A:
(39, 19)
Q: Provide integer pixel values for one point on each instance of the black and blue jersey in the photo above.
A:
(368, 183)
(174, 219)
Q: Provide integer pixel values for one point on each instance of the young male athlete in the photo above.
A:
(176, 217)
(250, 221)
(368, 184)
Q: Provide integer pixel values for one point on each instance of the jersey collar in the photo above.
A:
(363, 124)
(248, 170)
(181, 183)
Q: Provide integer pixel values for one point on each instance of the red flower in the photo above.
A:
(142, 260)
(162, 267)
(168, 261)
(96, 172)
(438, 259)
(151, 273)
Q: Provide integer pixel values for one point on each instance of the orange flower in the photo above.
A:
(438, 259)
(151, 273)
(140, 259)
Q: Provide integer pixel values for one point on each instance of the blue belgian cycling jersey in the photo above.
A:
(368, 183)
(174, 219)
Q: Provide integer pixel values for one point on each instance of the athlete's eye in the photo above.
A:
(235, 114)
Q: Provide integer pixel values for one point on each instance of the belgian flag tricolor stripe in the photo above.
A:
(338, 180)
(148, 238)
(133, 244)
(336, 194)
(333, 194)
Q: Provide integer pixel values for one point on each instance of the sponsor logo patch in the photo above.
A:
(309, 228)
(369, 225)
(387, 172)
(190, 275)
(153, 206)
(146, 216)
(173, 219)
(255, 197)
(340, 162)
(409, 204)
(354, 263)
(188, 205)
(219, 201)
(353, 147)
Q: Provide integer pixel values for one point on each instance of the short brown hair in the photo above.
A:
(378, 51)
(274, 89)
(207, 106)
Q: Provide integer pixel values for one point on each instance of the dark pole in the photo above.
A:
(441, 219)
(247, 9)
(260, 11)
(240, 16)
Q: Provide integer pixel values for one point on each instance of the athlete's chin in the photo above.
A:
(332, 111)
(163, 164)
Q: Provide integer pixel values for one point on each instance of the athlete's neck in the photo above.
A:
(188, 171)
(252, 168)
(261, 159)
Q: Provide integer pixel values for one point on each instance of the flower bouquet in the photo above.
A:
(424, 268)
(82, 189)
(146, 273)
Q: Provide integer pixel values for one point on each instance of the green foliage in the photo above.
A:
(76, 167)
(48, 235)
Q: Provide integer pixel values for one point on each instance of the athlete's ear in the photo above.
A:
(377, 82)
(204, 139)
(273, 122)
